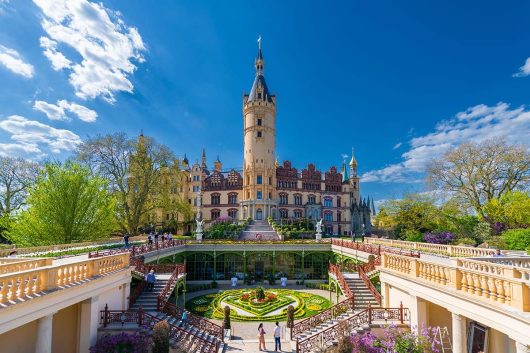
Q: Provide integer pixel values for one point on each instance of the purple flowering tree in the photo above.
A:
(396, 340)
(122, 343)
(439, 238)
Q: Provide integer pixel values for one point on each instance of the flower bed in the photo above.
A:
(245, 307)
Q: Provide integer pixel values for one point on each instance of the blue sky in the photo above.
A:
(401, 83)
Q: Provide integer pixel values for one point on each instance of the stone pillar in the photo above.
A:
(418, 313)
(521, 347)
(88, 324)
(459, 333)
(385, 291)
(44, 334)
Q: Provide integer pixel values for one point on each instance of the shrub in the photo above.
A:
(345, 345)
(396, 341)
(121, 343)
(517, 239)
(160, 337)
(260, 293)
(226, 320)
(290, 316)
(466, 241)
(439, 238)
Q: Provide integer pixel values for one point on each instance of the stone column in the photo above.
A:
(88, 324)
(521, 347)
(44, 334)
(385, 291)
(459, 333)
(418, 313)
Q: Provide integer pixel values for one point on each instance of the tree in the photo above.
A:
(160, 337)
(67, 204)
(512, 210)
(16, 176)
(479, 172)
(517, 239)
(133, 170)
(226, 320)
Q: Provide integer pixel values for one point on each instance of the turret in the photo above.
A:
(218, 166)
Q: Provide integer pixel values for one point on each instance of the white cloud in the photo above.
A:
(12, 60)
(58, 111)
(33, 137)
(475, 124)
(397, 145)
(107, 46)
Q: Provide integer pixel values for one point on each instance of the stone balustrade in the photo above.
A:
(25, 284)
(17, 264)
(483, 280)
(447, 250)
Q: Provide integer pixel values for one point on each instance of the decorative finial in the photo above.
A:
(259, 41)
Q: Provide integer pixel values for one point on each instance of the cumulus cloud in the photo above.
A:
(34, 138)
(58, 111)
(12, 60)
(108, 48)
(475, 124)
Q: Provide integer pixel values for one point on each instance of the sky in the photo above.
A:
(400, 82)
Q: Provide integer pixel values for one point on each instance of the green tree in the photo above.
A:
(479, 172)
(133, 169)
(517, 239)
(512, 209)
(67, 204)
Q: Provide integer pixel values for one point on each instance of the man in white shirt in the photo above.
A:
(277, 334)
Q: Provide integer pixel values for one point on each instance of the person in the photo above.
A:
(150, 239)
(498, 253)
(126, 240)
(184, 318)
(150, 278)
(163, 237)
(170, 236)
(277, 335)
(261, 336)
(157, 234)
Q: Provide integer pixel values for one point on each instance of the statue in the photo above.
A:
(319, 230)
(198, 231)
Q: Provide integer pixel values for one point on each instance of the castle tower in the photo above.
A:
(259, 130)
(354, 178)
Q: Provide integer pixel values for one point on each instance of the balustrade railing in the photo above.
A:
(17, 264)
(24, 284)
(483, 280)
(142, 319)
(335, 270)
(332, 334)
(447, 250)
(199, 322)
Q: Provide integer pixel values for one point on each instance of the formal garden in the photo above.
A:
(258, 304)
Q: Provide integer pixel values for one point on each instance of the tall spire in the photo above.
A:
(203, 158)
(259, 63)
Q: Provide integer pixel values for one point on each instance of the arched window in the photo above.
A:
(297, 213)
(328, 217)
(311, 199)
(232, 199)
(232, 213)
(339, 201)
(216, 199)
(215, 213)
(284, 199)
(339, 217)
(328, 202)
(284, 213)
(297, 199)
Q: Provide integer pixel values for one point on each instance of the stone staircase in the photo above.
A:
(259, 227)
(148, 302)
(363, 296)
(325, 325)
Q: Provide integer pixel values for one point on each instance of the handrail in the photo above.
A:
(162, 298)
(364, 317)
(142, 318)
(373, 249)
(368, 267)
(195, 320)
(335, 270)
(448, 250)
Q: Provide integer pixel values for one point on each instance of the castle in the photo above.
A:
(265, 188)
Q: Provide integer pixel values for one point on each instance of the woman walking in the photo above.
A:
(261, 337)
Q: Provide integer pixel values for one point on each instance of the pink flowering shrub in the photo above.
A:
(397, 341)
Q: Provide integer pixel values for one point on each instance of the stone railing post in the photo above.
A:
(520, 292)
(50, 279)
(450, 250)
(455, 275)
(414, 267)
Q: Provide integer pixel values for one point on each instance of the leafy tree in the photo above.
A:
(480, 172)
(517, 239)
(133, 171)
(67, 204)
(160, 337)
(511, 209)
(16, 176)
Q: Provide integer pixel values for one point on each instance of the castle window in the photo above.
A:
(328, 217)
(270, 181)
(311, 199)
(297, 214)
(259, 95)
(284, 199)
(232, 213)
(216, 199)
(259, 195)
(328, 202)
(259, 133)
(339, 217)
(232, 199)
(338, 201)
(215, 214)
(259, 180)
(259, 122)
(297, 199)
(284, 214)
